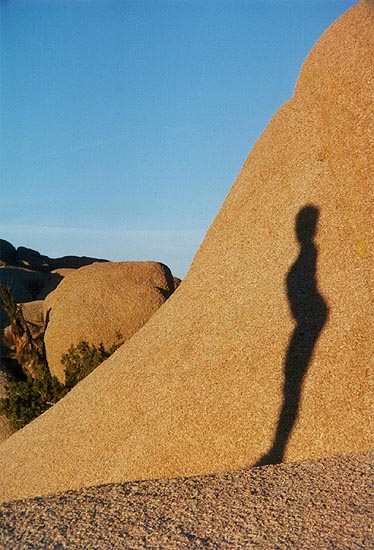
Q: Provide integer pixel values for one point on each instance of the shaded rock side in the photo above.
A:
(33, 315)
(23, 338)
(100, 302)
(7, 253)
(273, 360)
(25, 285)
(6, 428)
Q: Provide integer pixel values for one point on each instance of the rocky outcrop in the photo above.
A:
(25, 286)
(103, 303)
(32, 259)
(24, 338)
(29, 276)
(273, 360)
(7, 253)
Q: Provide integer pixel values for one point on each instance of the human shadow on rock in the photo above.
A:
(310, 312)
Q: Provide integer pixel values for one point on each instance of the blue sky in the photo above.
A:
(124, 123)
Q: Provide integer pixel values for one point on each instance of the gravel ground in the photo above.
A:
(324, 504)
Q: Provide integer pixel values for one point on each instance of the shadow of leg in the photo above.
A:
(299, 354)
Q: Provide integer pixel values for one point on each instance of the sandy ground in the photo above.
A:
(324, 504)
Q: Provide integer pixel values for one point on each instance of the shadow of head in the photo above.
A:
(306, 224)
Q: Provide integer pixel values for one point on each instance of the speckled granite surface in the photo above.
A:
(324, 504)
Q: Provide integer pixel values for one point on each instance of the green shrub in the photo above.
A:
(30, 397)
(83, 359)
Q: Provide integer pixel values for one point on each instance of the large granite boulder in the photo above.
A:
(102, 303)
(273, 360)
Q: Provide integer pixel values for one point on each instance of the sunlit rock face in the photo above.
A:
(273, 359)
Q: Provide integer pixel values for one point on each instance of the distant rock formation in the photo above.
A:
(7, 253)
(273, 360)
(99, 302)
(32, 259)
(96, 305)
(26, 286)
(29, 276)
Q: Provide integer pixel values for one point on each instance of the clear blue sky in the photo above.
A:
(124, 123)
